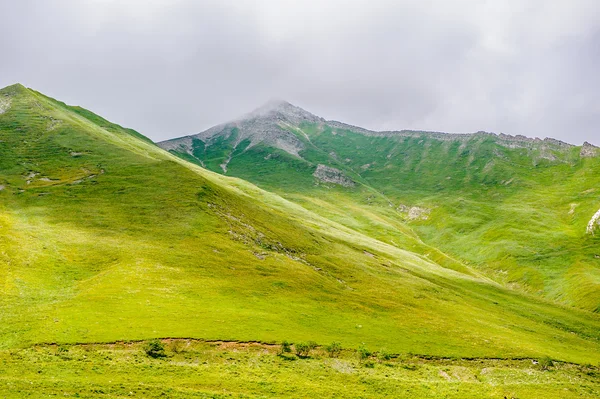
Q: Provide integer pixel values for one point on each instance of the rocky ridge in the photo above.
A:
(273, 125)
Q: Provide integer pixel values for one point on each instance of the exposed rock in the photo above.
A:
(588, 150)
(328, 174)
(2, 187)
(594, 223)
(182, 144)
(572, 210)
(5, 102)
(414, 212)
(53, 124)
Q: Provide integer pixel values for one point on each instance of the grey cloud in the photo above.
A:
(169, 68)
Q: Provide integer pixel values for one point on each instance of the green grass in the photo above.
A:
(509, 213)
(193, 369)
(105, 237)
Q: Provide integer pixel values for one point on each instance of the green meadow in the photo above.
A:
(192, 369)
(105, 237)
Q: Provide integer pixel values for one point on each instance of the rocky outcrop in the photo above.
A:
(5, 102)
(588, 150)
(327, 174)
(593, 223)
(414, 212)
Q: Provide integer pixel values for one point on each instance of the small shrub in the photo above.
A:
(303, 348)
(334, 349)
(285, 347)
(155, 349)
(369, 364)
(384, 355)
(411, 367)
(363, 352)
(545, 363)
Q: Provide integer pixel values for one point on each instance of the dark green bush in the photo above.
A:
(155, 349)
(363, 352)
(384, 355)
(285, 347)
(369, 364)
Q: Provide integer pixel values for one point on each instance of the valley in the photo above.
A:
(450, 254)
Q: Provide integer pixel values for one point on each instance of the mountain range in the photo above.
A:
(282, 226)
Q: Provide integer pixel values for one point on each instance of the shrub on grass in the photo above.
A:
(155, 349)
(545, 363)
(303, 348)
(369, 364)
(384, 355)
(285, 347)
(363, 352)
(334, 349)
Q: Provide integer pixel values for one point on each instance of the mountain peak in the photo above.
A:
(12, 89)
(281, 110)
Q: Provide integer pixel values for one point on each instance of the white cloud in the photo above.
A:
(174, 67)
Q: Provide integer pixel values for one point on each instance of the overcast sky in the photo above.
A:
(168, 68)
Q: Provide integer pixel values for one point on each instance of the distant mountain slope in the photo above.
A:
(514, 208)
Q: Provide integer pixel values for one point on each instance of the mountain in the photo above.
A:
(513, 208)
(106, 239)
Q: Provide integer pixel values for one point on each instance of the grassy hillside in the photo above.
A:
(105, 237)
(514, 210)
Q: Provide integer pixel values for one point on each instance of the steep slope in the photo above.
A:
(514, 208)
(106, 237)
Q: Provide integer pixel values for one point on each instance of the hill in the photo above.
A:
(513, 208)
(105, 237)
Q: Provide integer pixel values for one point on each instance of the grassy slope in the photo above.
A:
(105, 237)
(506, 212)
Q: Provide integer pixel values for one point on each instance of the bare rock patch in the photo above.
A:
(593, 223)
(327, 174)
(588, 150)
(414, 212)
(5, 103)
